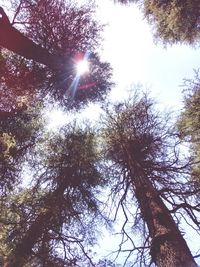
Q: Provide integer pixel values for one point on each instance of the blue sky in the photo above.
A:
(129, 47)
(135, 58)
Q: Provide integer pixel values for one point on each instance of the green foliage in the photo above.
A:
(20, 81)
(19, 129)
(71, 159)
(54, 221)
(69, 32)
(173, 21)
(189, 122)
(60, 213)
(144, 164)
(135, 127)
(16, 213)
(77, 29)
(7, 142)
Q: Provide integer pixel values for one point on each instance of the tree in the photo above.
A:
(147, 167)
(57, 31)
(15, 41)
(57, 222)
(168, 19)
(20, 129)
(189, 122)
(53, 222)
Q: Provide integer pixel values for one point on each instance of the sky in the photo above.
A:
(136, 59)
(129, 47)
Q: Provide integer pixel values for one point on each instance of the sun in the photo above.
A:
(82, 67)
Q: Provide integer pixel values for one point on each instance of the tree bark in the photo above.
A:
(15, 41)
(168, 247)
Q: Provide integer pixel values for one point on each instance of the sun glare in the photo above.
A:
(56, 119)
(82, 67)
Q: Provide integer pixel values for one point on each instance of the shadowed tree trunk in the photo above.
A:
(139, 141)
(168, 247)
(15, 41)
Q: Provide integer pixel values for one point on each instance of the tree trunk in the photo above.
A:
(15, 41)
(168, 247)
(44, 221)
(24, 248)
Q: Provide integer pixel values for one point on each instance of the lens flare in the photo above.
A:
(82, 67)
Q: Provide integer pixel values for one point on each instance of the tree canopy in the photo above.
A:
(146, 166)
(58, 39)
(53, 185)
(173, 21)
(189, 122)
(55, 220)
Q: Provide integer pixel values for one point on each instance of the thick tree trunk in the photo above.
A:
(168, 247)
(15, 41)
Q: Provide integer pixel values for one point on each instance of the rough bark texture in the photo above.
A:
(168, 247)
(15, 41)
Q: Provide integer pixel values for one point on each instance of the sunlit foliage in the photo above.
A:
(20, 128)
(66, 32)
(189, 122)
(173, 21)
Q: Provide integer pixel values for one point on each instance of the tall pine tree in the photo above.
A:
(146, 166)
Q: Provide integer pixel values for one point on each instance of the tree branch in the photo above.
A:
(15, 41)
